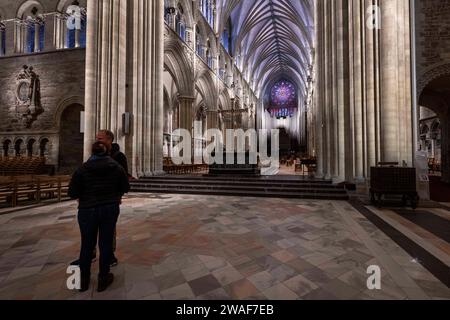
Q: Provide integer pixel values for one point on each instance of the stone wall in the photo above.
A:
(432, 34)
(433, 67)
(62, 77)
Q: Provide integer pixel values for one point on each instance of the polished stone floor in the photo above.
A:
(211, 247)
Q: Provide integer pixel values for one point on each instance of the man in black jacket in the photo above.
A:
(107, 138)
(99, 186)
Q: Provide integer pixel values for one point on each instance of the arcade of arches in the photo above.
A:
(354, 101)
(339, 90)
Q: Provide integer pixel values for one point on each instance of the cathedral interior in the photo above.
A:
(358, 91)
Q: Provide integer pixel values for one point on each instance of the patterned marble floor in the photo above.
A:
(206, 247)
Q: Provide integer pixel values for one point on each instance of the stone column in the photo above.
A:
(319, 101)
(20, 36)
(146, 93)
(37, 32)
(344, 150)
(329, 101)
(173, 23)
(396, 140)
(370, 94)
(212, 120)
(92, 78)
(105, 69)
(50, 32)
(357, 26)
(363, 89)
(77, 38)
(186, 112)
(10, 27)
(60, 31)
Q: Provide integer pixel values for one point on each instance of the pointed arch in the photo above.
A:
(178, 65)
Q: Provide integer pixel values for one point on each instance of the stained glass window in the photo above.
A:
(206, 6)
(226, 38)
(283, 98)
(83, 31)
(41, 37)
(30, 38)
(30, 41)
(180, 24)
(71, 35)
(71, 38)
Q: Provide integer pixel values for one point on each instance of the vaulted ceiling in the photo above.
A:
(272, 38)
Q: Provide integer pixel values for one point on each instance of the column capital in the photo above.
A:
(186, 98)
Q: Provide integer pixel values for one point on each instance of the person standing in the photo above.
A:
(99, 186)
(107, 137)
(113, 149)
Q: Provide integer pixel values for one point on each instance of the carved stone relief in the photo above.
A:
(28, 96)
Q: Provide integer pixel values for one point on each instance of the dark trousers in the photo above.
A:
(97, 222)
(94, 252)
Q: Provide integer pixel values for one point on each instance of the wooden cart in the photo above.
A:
(393, 181)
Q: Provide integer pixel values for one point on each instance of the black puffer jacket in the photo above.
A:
(119, 156)
(100, 181)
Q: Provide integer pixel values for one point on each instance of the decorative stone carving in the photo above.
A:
(189, 53)
(28, 96)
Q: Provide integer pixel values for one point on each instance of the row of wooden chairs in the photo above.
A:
(16, 189)
(287, 161)
(309, 164)
(14, 166)
(171, 168)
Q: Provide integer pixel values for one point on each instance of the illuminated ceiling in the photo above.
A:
(272, 38)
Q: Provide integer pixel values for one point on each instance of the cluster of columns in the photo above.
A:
(124, 65)
(16, 32)
(362, 106)
(21, 30)
(59, 25)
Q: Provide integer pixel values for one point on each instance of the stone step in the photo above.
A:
(266, 188)
(276, 187)
(310, 194)
(267, 179)
(249, 183)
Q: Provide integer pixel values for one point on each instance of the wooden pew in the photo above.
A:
(7, 190)
(15, 189)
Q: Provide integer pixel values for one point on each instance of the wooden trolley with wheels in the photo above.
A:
(393, 181)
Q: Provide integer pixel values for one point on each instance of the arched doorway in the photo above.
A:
(43, 147)
(435, 122)
(30, 147)
(18, 148)
(71, 139)
(6, 146)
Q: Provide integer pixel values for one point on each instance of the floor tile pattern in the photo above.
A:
(215, 248)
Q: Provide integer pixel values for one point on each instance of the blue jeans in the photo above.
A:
(100, 221)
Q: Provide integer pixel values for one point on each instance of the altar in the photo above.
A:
(235, 167)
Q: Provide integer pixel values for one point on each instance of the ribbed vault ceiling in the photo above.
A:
(273, 38)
